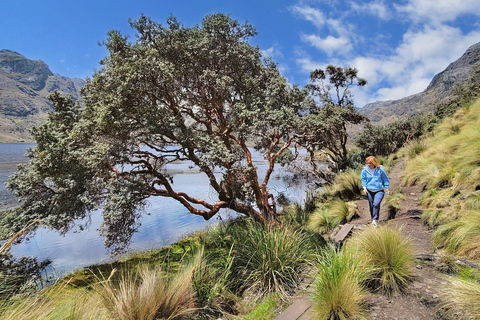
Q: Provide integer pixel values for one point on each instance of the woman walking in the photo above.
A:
(375, 183)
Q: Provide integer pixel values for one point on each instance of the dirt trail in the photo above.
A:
(422, 299)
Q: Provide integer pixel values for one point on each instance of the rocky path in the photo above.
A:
(421, 300)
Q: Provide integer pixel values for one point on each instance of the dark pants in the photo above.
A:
(374, 200)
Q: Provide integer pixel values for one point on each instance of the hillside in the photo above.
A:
(440, 89)
(24, 87)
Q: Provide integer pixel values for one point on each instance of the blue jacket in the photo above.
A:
(377, 181)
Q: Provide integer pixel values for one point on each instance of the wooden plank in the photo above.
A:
(295, 310)
(343, 233)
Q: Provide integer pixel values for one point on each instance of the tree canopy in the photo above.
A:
(176, 93)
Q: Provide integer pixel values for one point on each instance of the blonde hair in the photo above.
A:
(373, 160)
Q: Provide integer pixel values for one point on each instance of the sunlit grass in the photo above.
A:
(338, 291)
(461, 236)
(149, 293)
(463, 297)
(393, 203)
(331, 214)
(347, 185)
(388, 256)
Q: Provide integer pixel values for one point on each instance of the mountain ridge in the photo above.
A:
(24, 87)
(440, 89)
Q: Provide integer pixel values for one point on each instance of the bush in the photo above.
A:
(338, 293)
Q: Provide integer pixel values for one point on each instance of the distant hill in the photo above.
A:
(439, 90)
(24, 87)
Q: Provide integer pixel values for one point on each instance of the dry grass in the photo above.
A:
(148, 294)
(463, 297)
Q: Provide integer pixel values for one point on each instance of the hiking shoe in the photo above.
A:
(374, 223)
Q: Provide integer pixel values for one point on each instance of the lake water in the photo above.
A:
(165, 221)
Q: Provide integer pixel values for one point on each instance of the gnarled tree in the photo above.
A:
(201, 94)
(328, 124)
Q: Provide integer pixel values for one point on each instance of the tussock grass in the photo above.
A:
(388, 256)
(347, 186)
(320, 221)
(268, 258)
(54, 303)
(414, 147)
(461, 236)
(433, 217)
(331, 214)
(463, 297)
(439, 198)
(393, 203)
(338, 292)
(149, 293)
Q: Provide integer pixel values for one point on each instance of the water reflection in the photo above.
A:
(163, 222)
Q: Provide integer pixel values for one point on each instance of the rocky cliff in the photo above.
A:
(24, 87)
(440, 89)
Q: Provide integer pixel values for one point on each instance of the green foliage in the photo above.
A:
(329, 123)
(338, 291)
(388, 256)
(383, 140)
(266, 309)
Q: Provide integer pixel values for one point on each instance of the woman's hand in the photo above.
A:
(365, 192)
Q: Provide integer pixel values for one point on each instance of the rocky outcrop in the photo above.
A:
(24, 87)
(440, 89)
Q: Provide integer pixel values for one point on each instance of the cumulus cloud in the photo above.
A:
(437, 11)
(429, 40)
(339, 44)
(330, 44)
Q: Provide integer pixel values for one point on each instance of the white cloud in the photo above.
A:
(272, 52)
(340, 44)
(376, 8)
(310, 14)
(438, 11)
(330, 45)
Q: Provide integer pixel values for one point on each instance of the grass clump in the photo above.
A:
(463, 297)
(338, 292)
(460, 236)
(268, 258)
(148, 293)
(389, 258)
(347, 186)
(331, 214)
(393, 203)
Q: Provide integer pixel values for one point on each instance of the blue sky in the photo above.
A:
(398, 46)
